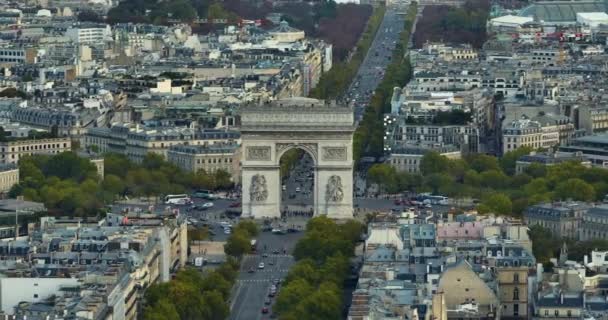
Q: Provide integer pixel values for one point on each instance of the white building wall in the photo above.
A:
(15, 290)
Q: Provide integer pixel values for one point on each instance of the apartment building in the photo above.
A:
(18, 55)
(549, 159)
(12, 151)
(209, 158)
(98, 272)
(513, 291)
(407, 158)
(535, 134)
(594, 148)
(594, 224)
(136, 142)
(93, 35)
(593, 120)
(562, 218)
(9, 176)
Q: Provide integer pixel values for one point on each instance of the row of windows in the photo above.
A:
(214, 160)
(10, 60)
(11, 53)
(39, 147)
(405, 161)
(557, 313)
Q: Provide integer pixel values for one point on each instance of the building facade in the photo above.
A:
(12, 151)
(562, 218)
(9, 176)
(513, 288)
(209, 158)
(594, 224)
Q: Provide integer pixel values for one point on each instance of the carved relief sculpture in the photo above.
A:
(334, 153)
(258, 153)
(258, 190)
(334, 192)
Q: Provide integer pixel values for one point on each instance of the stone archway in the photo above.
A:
(323, 130)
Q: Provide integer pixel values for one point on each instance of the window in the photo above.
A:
(546, 312)
(557, 313)
(516, 294)
(516, 277)
(35, 295)
(569, 313)
(516, 309)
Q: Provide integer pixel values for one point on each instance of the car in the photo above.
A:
(227, 231)
(251, 270)
(284, 187)
(265, 255)
(266, 228)
(271, 263)
(208, 205)
(261, 265)
(298, 189)
(271, 294)
(292, 230)
(276, 281)
(275, 251)
(235, 205)
(267, 302)
(273, 288)
(265, 310)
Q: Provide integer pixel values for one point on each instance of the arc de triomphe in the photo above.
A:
(323, 130)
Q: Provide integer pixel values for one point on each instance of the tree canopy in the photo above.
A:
(495, 182)
(313, 287)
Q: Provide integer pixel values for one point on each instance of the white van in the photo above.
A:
(177, 199)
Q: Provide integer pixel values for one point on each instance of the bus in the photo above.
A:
(254, 246)
(203, 194)
(432, 199)
(177, 199)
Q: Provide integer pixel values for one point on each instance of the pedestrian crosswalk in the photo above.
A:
(254, 280)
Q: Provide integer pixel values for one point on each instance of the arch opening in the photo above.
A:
(297, 188)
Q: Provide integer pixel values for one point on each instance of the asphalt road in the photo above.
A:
(298, 185)
(252, 288)
(378, 57)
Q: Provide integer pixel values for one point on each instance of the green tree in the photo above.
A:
(544, 244)
(575, 189)
(237, 245)
(494, 179)
(509, 159)
(163, 309)
(113, 184)
(291, 295)
(247, 226)
(324, 303)
(498, 203)
(433, 162)
(483, 162)
(305, 269)
(385, 176)
(536, 170)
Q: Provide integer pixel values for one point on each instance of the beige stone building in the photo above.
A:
(209, 158)
(540, 132)
(463, 288)
(513, 288)
(12, 151)
(562, 218)
(9, 176)
(136, 142)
